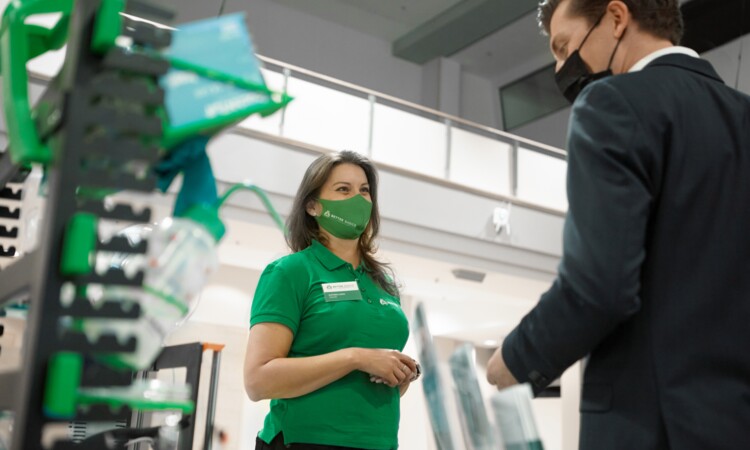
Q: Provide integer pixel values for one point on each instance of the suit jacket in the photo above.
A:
(654, 282)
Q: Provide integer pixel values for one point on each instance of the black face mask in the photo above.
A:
(575, 75)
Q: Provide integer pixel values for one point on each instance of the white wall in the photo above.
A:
(551, 130)
(449, 88)
(479, 100)
(431, 84)
(726, 60)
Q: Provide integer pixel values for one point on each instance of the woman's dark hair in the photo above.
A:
(662, 18)
(303, 228)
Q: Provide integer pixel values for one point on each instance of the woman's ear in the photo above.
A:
(313, 208)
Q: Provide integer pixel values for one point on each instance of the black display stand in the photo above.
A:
(190, 357)
(183, 356)
(99, 117)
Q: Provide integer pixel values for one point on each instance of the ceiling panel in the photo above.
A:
(520, 45)
(459, 27)
(384, 19)
(411, 13)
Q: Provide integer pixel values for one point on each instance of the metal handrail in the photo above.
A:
(515, 143)
(278, 66)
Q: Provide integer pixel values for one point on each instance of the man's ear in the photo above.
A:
(622, 17)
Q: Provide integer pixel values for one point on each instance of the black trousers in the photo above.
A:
(278, 444)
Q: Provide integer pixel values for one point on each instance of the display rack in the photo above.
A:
(184, 356)
(190, 357)
(97, 146)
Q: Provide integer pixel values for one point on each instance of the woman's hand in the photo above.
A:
(391, 367)
(414, 376)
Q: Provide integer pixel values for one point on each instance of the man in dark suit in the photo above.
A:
(654, 282)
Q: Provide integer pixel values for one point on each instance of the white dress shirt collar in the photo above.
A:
(648, 59)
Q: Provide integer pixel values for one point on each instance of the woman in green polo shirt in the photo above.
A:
(326, 328)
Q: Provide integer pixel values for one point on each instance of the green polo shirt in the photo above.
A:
(352, 411)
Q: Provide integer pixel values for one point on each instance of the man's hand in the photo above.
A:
(498, 373)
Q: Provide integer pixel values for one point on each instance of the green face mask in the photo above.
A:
(345, 219)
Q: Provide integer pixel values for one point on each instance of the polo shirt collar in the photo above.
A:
(326, 257)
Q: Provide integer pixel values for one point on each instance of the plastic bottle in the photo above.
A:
(181, 256)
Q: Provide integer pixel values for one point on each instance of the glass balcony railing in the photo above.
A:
(336, 115)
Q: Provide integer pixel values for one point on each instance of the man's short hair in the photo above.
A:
(662, 18)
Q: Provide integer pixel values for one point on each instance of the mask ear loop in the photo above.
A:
(612, 58)
(585, 38)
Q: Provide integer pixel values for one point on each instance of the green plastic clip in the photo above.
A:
(63, 393)
(79, 245)
(208, 215)
(19, 43)
(108, 25)
(117, 401)
(249, 186)
(63, 382)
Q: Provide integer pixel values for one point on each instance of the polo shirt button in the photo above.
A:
(369, 301)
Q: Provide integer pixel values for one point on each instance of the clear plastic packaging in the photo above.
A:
(81, 430)
(31, 206)
(181, 256)
(515, 417)
(32, 210)
(444, 428)
(6, 429)
(478, 433)
(141, 394)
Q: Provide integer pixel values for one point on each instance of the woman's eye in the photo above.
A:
(365, 190)
(343, 189)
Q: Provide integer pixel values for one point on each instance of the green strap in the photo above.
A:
(169, 299)
(263, 198)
